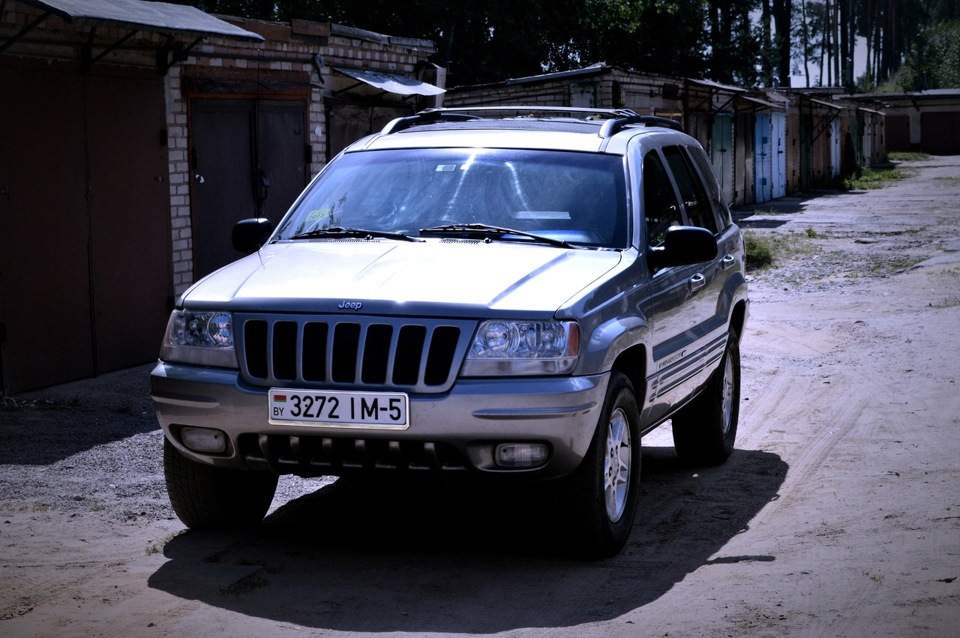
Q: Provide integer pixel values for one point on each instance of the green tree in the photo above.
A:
(654, 36)
(933, 61)
(497, 39)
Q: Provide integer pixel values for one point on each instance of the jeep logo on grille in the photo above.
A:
(350, 305)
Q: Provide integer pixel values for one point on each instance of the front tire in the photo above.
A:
(605, 488)
(208, 497)
(705, 430)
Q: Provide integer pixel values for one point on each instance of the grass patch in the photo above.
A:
(950, 272)
(907, 156)
(945, 303)
(884, 267)
(759, 250)
(870, 178)
(763, 250)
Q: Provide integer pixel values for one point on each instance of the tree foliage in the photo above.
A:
(746, 42)
(933, 62)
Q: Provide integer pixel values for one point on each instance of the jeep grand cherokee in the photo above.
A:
(519, 293)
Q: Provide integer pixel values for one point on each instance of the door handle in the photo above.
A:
(727, 261)
(697, 282)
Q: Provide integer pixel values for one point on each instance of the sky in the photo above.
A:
(859, 68)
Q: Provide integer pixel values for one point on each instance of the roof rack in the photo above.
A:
(616, 119)
(612, 127)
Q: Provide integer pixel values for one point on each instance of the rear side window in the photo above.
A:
(660, 205)
(713, 186)
(695, 199)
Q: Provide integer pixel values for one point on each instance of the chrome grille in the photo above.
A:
(352, 352)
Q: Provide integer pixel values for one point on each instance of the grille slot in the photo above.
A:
(317, 456)
(352, 352)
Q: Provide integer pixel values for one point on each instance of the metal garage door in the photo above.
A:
(346, 123)
(84, 224)
(940, 133)
(249, 158)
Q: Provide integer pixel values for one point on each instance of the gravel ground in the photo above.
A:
(838, 513)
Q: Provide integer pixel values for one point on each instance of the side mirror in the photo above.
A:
(683, 245)
(250, 234)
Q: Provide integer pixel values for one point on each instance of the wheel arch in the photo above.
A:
(738, 317)
(632, 362)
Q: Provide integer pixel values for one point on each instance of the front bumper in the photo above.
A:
(456, 431)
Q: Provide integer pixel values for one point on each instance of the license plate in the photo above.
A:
(354, 409)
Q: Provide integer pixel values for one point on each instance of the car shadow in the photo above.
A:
(362, 557)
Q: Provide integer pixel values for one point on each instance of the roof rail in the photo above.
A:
(424, 117)
(528, 109)
(612, 127)
(462, 114)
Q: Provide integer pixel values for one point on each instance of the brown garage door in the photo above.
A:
(249, 159)
(940, 133)
(346, 123)
(85, 279)
(897, 129)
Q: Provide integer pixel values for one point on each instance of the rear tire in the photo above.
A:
(605, 488)
(705, 430)
(208, 497)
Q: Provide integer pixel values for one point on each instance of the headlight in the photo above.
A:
(202, 338)
(505, 348)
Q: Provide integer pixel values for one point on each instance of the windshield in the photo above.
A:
(578, 198)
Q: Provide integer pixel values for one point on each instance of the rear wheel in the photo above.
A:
(605, 488)
(208, 497)
(705, 430)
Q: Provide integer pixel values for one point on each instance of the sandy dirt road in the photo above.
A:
(837, 515)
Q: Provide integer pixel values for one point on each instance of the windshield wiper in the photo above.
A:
(485, 231)
(362, 233)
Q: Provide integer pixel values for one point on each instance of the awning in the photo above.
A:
(160, 17)
(171, 20)
(710, 84)
(399, 84)
(829, 105)
(764, 104)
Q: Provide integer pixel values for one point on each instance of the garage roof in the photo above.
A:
(160, 17)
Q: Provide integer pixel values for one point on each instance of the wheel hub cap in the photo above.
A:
(616, 465)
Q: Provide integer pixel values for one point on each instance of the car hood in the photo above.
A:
(451, 277)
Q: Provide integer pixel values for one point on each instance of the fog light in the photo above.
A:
(521, 455)
(204, 440)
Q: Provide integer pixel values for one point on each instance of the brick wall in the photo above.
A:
(302, 53)
(600, 88)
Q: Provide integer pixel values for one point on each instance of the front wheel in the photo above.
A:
(208, 497)
(705, 430)
(605, 488)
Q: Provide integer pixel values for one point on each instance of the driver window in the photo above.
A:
(660, 205)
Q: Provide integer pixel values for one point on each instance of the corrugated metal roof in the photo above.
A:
(161, 17)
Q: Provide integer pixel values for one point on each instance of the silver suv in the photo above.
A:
(519, 292)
